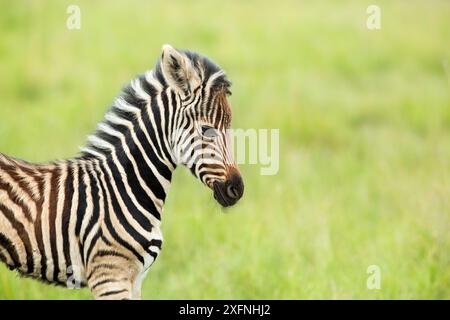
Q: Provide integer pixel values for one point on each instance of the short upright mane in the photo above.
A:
(136, 95)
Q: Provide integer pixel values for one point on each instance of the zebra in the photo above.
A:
(95, 220)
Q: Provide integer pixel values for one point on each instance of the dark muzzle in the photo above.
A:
(228, 192)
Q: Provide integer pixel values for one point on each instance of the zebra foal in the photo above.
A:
(94, 220)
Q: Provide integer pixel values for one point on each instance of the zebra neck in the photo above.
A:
(141, 188)
(139, 169)
(134, 142)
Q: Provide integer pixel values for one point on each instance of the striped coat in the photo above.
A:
(95, 220)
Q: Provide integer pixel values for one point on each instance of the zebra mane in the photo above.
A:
(133, 101)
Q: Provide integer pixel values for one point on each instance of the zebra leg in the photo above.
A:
(136, 294)
(137, 284)
(111, 287)
(111, 282)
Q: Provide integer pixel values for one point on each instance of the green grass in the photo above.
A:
(364, 119)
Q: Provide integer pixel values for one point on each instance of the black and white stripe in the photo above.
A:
(95, 220)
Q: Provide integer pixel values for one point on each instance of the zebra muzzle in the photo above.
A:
(228, 192)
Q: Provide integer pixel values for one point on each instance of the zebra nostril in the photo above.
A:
(232, 191)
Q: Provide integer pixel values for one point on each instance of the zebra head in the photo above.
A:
(200, 136)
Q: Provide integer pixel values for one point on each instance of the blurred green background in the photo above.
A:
(364, 119)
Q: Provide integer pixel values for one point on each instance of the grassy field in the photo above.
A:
(364, 119)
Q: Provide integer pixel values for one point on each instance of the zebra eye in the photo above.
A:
(209, 132)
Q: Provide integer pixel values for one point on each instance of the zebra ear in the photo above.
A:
(179, 70)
